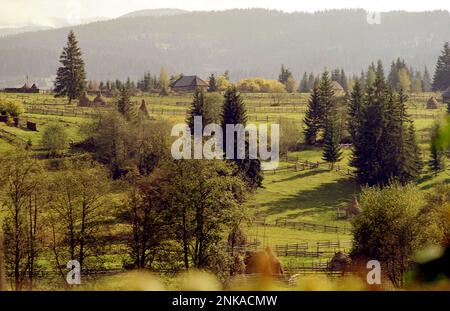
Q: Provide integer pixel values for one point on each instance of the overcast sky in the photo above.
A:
(18, 13)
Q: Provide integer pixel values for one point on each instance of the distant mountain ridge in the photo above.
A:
(154, 12)
(253, 42)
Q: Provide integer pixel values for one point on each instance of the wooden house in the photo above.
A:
(188, 84)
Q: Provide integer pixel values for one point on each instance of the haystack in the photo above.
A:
(432, 103)
(84, 101)
(99, 101)
(353, 208)
(339, 262)
(263, 262)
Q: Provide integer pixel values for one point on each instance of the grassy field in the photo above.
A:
(312, 196)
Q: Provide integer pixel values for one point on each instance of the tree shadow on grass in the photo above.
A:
(324, 198)
(301, 174)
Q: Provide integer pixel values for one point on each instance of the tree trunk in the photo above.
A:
(185, 241)
(2, 268)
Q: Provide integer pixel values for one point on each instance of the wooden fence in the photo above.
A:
(307, 226)
(13, 138)
(314, 250)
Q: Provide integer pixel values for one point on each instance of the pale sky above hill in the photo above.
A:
(20, 13)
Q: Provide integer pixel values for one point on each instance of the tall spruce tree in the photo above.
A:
(441, 79)
(355, 109)
(124, 105)
(197, 109)
(312, 120)
(331, 143)
(70, 77)
(304, 87)
(311, 81)
(414, 164)
(285, 74)
(343, 81)
(368, 150)
(426, 80)
(327, 101)
(437, 161)
(234, 112)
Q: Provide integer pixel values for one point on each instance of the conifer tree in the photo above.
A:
(441, 79)
(331, 143)
(426, 80)
(437, 160)
(284, 75)
(414, 164)
(355, 110)
(327, 101)
(371, 76)
(311, 81)
(304, 87)
(234, 112)
(197, 109)
(312, 118)
(70, 77)
(124, 102)
(343, 81)
(212, 84)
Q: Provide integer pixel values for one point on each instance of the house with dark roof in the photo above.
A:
(188, 84)
(24, 89)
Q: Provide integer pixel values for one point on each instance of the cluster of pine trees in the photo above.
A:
(384, 140)
(408, 79)
(383, 135)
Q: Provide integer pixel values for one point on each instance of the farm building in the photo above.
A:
(188, 84)
(337, 89)
(446, 96)
(24, 89)
(432, 103)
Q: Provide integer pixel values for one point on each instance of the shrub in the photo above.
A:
(255, 85)
(391, 228)
(12, 108)
(54, 139)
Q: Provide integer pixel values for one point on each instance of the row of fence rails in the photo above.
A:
(12, 138)
(307, 226)
(74, 112)
(165, 111)
(307, 165)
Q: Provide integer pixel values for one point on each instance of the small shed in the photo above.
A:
(446, 96)
(432, 103)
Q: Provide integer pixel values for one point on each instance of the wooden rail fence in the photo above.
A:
(300, 225)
